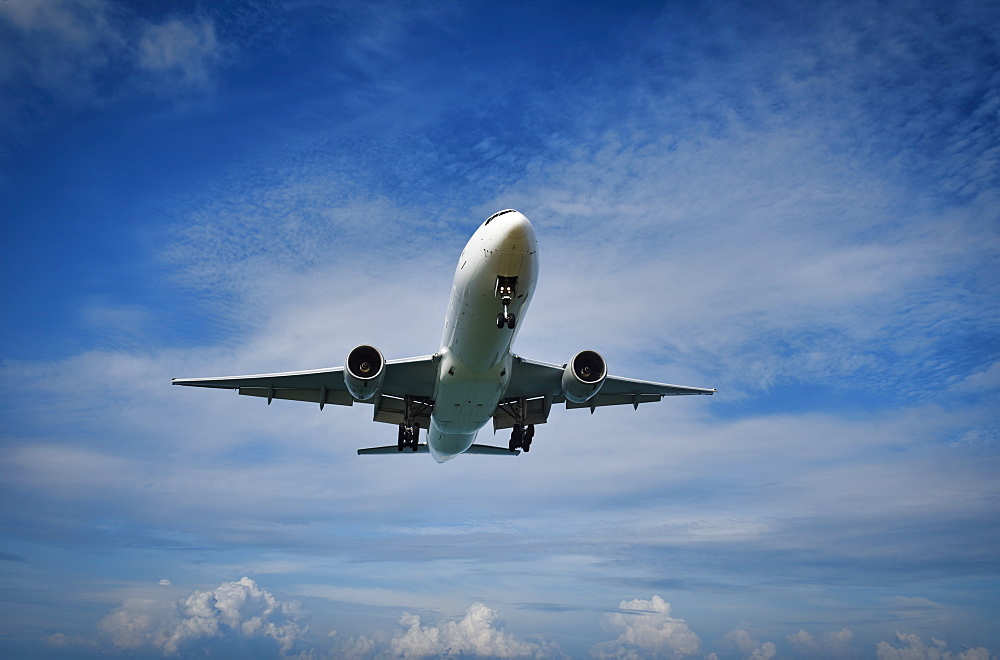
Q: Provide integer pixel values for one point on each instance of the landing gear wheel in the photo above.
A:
(516, 438)
(500, 320)
(401, 439)
(511, 321)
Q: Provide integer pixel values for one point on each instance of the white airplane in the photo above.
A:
(474, 377)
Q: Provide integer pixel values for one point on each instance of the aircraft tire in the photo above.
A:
(511, 321)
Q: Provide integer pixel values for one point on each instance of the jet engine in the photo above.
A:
(584, 376)
(364, 372)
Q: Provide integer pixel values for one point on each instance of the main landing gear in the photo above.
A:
(522, 434)
(506, 286)
(409, 430)
(520, 437)
(409, 437)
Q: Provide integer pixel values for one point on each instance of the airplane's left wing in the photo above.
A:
(535, 386)
(410, 379)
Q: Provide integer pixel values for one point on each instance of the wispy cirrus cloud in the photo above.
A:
(61, 54)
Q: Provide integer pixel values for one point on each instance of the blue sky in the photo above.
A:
(795, 204)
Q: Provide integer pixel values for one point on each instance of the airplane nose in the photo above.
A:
(517, 225)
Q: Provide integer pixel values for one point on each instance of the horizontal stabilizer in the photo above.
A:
(422, 449)
(492, 451)
(393, 449)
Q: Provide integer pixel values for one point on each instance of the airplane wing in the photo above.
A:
(410, 380)
(538, 385)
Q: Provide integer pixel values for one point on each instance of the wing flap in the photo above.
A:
(536, 411)
(617, 385)
(333, 379)
(339, 398)
(616, 400)
(389, 410)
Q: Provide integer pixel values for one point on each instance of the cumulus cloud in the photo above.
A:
(648, 631)
(835, 644)
(479, 633)
(232, 612)
(914, 648)
(750, 647)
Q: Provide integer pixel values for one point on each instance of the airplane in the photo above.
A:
(474, 378)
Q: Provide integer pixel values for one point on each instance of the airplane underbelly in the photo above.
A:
(464, 407)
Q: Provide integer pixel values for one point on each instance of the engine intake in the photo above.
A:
(364, 372)
(584, 376)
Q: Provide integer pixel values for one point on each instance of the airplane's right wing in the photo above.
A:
(535, 386)
(407, 381)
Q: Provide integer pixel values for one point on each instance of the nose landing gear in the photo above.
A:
(506, 319)
(506, 287)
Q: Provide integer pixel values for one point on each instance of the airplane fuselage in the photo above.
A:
(475, 363)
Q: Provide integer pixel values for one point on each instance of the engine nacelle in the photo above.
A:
(364, 372)
(584, 376)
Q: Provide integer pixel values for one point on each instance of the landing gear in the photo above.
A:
(522, 434)
(509, 320)
(408, 438)
(409, 430)
(506, 287)
(521, 437)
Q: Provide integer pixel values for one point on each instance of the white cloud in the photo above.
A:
(232, 611)
(57, 45)
(750, 647)
(184, 51)
(89, 52)
(352, 647)
(836, 644)
(648, 631)
(479, 633)
(914, 648)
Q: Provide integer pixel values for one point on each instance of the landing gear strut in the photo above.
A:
(409, 430)
(409, 437)
(522, 434)
(520, 437)
(506, 286)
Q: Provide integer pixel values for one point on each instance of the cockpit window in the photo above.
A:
(497, 214)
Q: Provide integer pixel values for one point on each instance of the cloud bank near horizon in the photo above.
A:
(242, 617)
